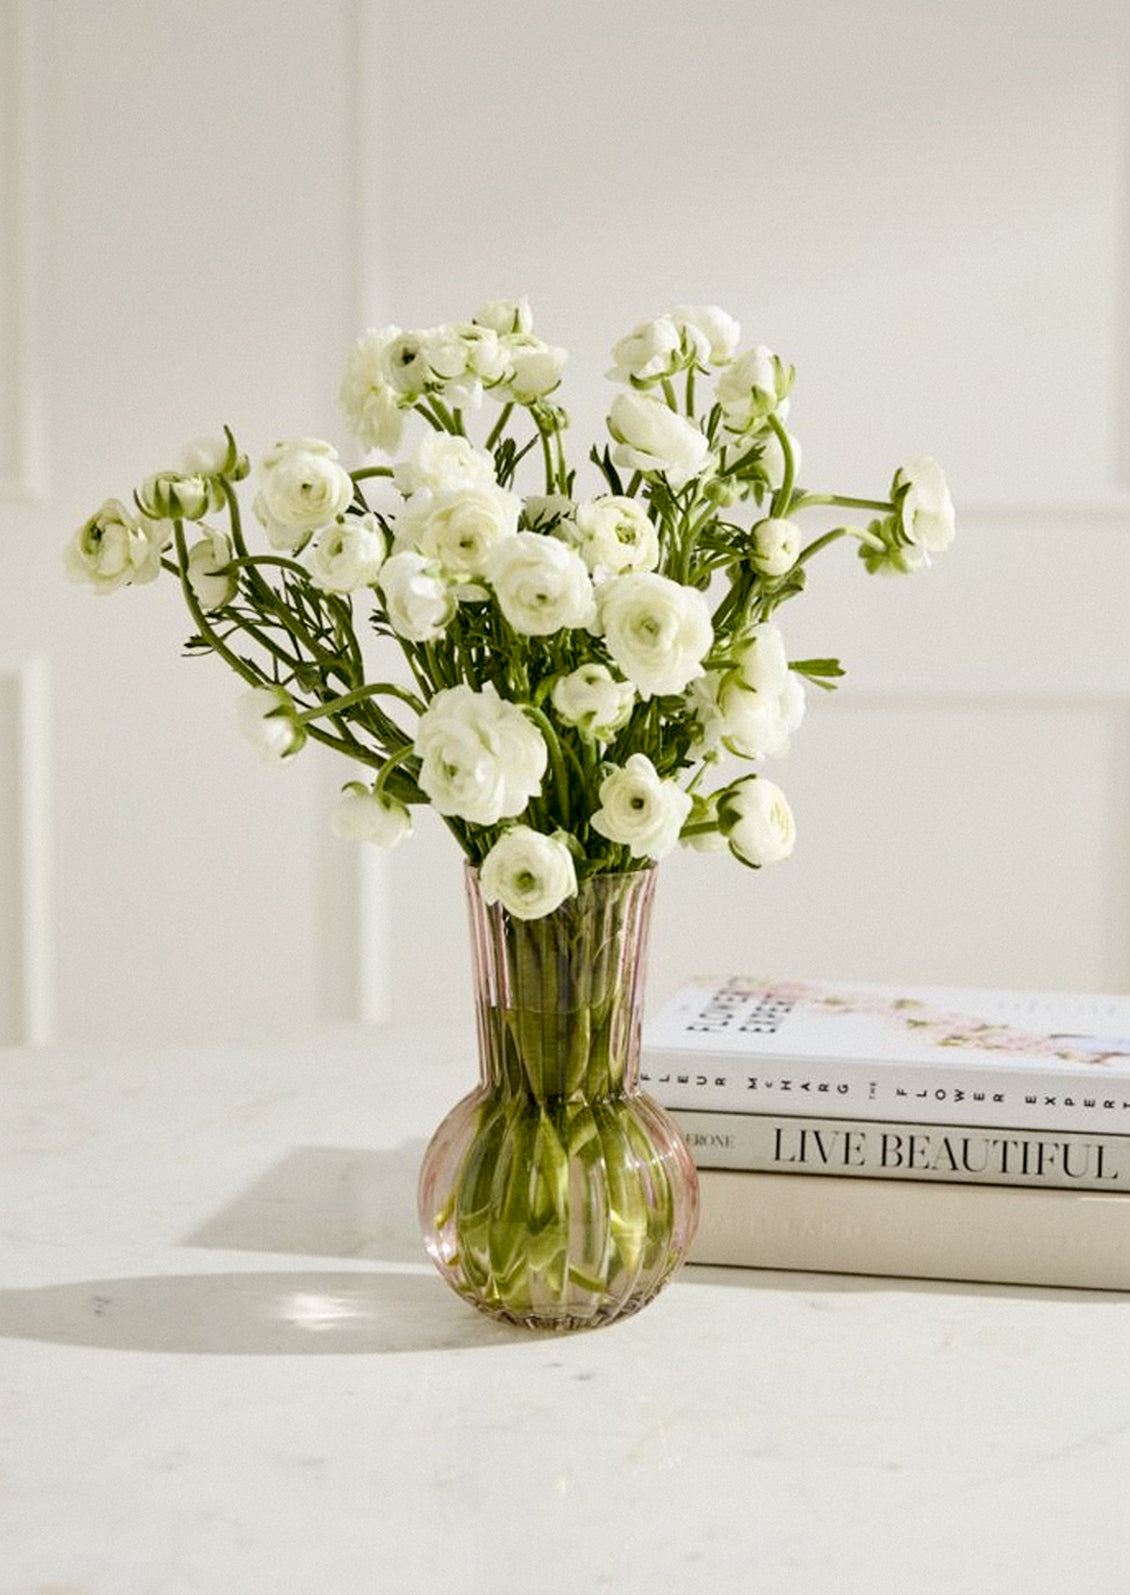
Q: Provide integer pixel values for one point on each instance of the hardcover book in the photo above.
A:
(994, 1233)
(913, 1055)
(889, 1149)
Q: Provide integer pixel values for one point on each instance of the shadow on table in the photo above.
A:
(326, 1201)
(277, 1314)
(313, 1202)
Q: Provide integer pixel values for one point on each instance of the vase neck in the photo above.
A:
(559, 1000)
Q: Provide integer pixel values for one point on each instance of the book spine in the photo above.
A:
(921, 1093)
(992, 1233)
(890, 1149)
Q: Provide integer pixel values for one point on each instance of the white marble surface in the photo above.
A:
(226, 1368)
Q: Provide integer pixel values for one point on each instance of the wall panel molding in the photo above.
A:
(21, 420)
(25, 761)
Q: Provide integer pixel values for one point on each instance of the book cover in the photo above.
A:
(890, 1149)
(1034, 1060)
(993, 1233)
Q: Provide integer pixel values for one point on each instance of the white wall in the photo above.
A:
(926, 210)
(189, 187)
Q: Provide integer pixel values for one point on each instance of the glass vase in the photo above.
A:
(557, 1194)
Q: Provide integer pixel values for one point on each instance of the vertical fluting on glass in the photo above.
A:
(557, 1194)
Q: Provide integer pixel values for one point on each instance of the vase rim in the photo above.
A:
(602, 875)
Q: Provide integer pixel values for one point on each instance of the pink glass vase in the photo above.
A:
(557, 1194)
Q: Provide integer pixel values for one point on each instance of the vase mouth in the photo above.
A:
(471, 871)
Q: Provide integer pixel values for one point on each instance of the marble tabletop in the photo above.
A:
(226, 1368)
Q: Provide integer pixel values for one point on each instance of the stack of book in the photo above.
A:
(939, 1134)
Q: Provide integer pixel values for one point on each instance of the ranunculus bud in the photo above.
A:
(267, 717)
(364, 815)
(169, 496)
(753, 387)
(757, 821)
(776, 544)
(505, 315)
(212, 456)
(213, 585)
(925, 508)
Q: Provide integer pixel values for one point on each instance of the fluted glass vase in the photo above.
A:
(557, 1194)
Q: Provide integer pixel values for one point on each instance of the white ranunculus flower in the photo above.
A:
(115, 548)
(303, 486)
(266, 718)
(752, 387)
(591, 699)
(544, 512)
(373, 408)
(702, 700)
(651, 438)
(641, 810)
(213, 585)
(541, 585)
(529, 873)
(534, 368)
(348, 555)
(712, 333)
(771, 465)
(418, 601)
(459, 529)
(926, 513)
(763, 663)
(443, 464)
(776, 544)
(486, 354)
(760, 725)
(363, 815)
(407, 362)
(650, 351)
(483, 760)
(615, 535)
(505, 315)
(757, 821)
(656, 630)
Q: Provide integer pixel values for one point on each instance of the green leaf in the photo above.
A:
(819, 671)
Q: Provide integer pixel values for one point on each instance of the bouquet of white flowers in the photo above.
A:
(578, 664)
(574, 667)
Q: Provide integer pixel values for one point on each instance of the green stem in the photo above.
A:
(246, 672)
(556, 761)
(371, 470)
(690, 392)
(547, 456)
(783, 496)
(335, 705)
(808, 500)
(499, 426)
(669, 394)
(401, 756)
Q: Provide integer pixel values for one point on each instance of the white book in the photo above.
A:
(997, 1234)
(928, 1055)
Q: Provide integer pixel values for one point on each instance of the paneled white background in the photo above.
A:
(928, 211)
